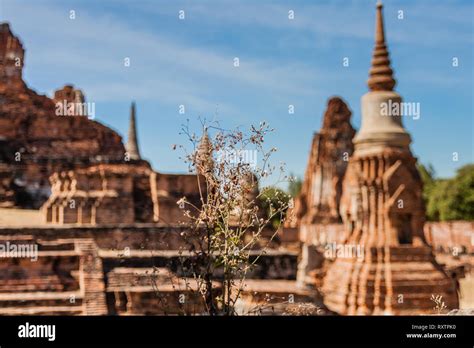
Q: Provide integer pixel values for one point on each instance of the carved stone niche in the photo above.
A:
(95, 195)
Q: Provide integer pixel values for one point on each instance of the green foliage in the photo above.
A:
(449, 199)
(273, 199)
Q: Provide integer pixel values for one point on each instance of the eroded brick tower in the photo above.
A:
(383, 212)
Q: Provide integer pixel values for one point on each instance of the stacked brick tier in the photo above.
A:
(390, 280)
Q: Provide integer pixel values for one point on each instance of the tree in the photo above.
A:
(436, 199)
(449, 199)
(458, 202)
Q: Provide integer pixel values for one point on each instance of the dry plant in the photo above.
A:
(227, 229)
(439, 303)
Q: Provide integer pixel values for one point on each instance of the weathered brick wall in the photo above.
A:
(89, 272)
(167, 190)
(444, 236)
(116, 236)
(35, 140)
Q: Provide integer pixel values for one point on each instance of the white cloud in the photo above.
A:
(161, 67)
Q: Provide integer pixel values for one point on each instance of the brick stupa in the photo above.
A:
(383, 212)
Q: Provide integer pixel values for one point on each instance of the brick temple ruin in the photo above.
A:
(374, 253)
(108, 230)
(107, 227)
(383, 211)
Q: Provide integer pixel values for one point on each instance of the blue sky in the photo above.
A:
(282, 62)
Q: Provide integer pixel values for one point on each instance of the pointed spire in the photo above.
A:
(205, 143)
(204, 161)
(132, 142)
(381, 75)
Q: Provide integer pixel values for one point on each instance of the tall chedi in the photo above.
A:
(391, 269)
(132, 141)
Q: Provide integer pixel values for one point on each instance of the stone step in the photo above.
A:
(123, 277)
(272, 265)
(69, 310)
(40, 299)
(46, 283)
(39, 302)
(41, 295)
